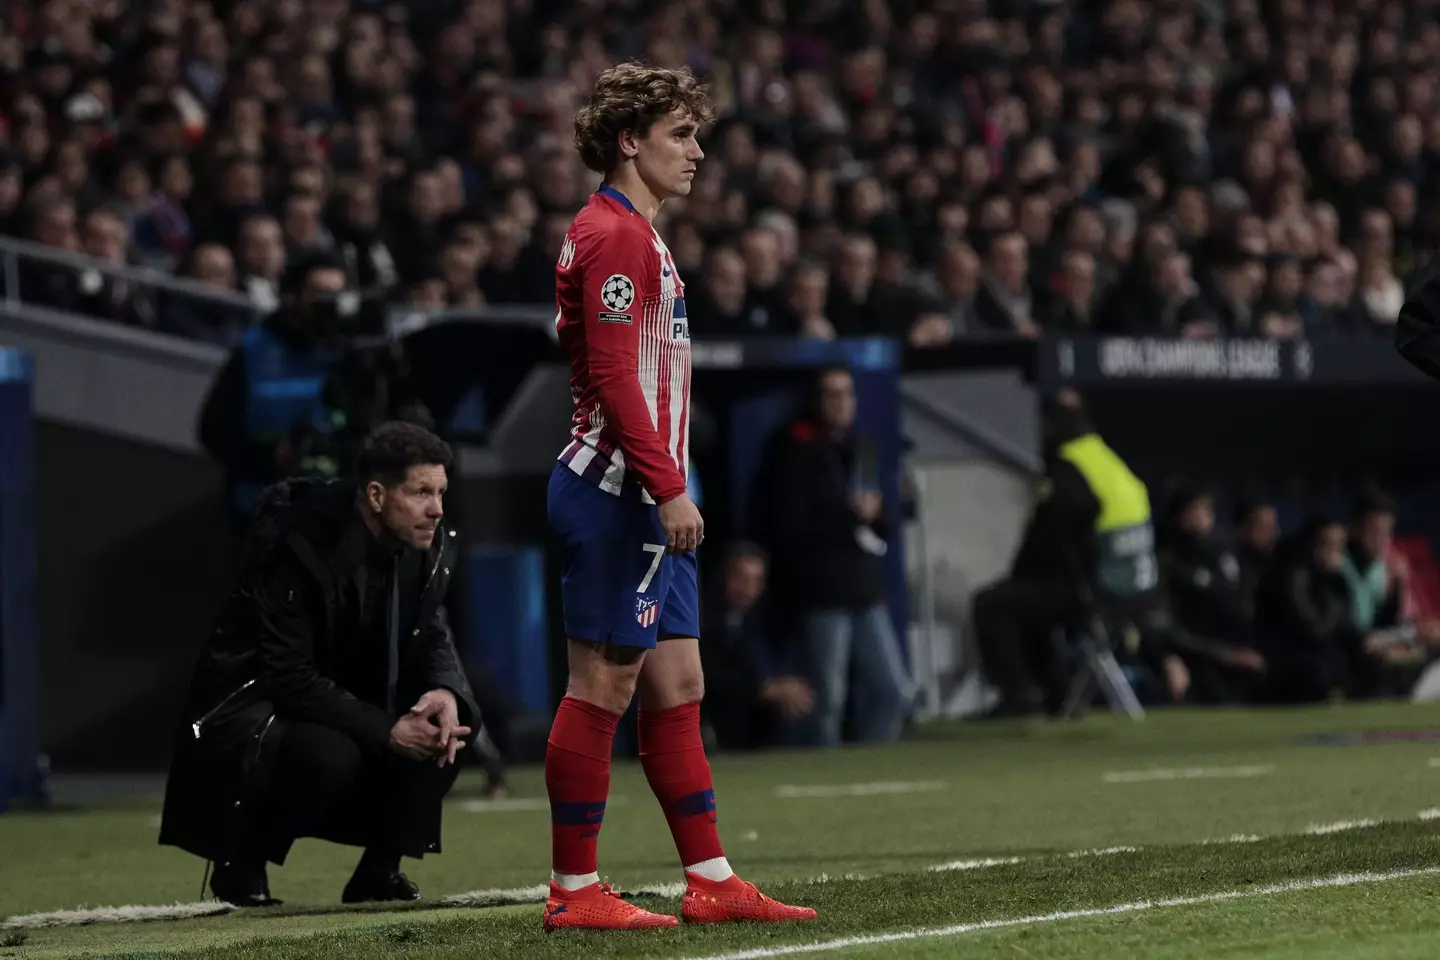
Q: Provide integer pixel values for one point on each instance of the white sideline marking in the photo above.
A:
(130, 914)
(1187, 773)
(1435, 761)
(790, 791)
(499, 897)
(505, 805)
(983, 863)
(841, 878)
(925, 933)
(1340, 826)
(512, 896)
(521, 805)
(1314, 830)
(979, 864)
(1102, 852)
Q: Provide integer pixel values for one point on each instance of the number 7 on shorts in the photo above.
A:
(659, 550)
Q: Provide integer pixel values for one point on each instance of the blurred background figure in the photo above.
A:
(753, 694)
(826, 523)
(1088, 550)
(268, 405)
(1214, 629)
(1305, 611)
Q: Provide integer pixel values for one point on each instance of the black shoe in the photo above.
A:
(366, 887)
(243, 885)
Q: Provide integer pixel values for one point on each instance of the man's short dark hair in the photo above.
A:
(393, 448)
(1250, 503)
(1066, 414)
(297, 274)
(746, 550)
(1371, 502)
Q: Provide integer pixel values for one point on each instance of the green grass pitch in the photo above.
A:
(1192, 834)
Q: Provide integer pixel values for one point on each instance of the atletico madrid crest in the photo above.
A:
(646, 610)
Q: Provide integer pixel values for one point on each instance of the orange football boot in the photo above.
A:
(598, 907)
(735, 900)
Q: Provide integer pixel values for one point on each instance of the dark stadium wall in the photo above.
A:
(133, 558)
(1303, 446)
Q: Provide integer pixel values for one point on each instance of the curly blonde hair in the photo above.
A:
(634, 96)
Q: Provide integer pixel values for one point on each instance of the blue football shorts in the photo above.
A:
(619, 585)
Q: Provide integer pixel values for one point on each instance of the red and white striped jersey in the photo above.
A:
(622, 322)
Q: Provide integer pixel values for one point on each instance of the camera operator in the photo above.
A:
(271, 393)
(1087, 549)
(329, 701)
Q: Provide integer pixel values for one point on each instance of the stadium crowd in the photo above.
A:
(929, 169)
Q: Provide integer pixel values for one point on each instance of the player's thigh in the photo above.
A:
(672, 674)
(604, 674)
(680, 604)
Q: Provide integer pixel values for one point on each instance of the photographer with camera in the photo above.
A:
(269, 401)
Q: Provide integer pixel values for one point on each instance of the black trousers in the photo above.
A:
(1015, 623)
(1313, 675)
(319, 783)
(1217, 684)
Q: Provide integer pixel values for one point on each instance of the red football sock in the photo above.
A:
(673, 756)
(577, 777)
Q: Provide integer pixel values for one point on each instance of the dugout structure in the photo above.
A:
(19, 755)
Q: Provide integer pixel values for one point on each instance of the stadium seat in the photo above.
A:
(1424, 576)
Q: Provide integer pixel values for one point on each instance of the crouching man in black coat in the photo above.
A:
(329, 701)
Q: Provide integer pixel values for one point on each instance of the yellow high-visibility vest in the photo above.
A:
(1124, 498)
(1124, 534)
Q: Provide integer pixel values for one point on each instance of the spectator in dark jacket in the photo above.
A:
(828, 524)
(209, 264)
(1257, 532)
(1304, 614)
(329, 701)
(1214, 632)
(1005, 303)
(750, 697)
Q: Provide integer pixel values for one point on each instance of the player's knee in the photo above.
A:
(688, 688)
(665, 690)
(608, 686)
